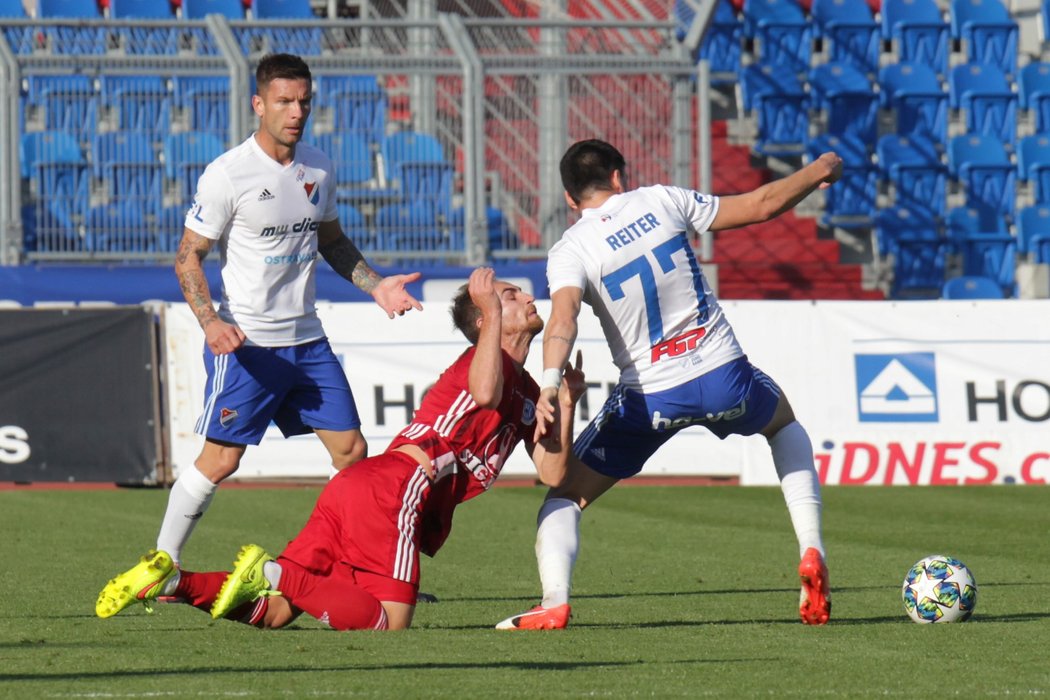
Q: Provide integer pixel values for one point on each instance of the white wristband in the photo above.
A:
(551, 379)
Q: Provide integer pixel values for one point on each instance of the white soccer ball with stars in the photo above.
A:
(939, 589)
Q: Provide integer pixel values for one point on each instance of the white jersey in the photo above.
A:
(632, 259)
(265, 217)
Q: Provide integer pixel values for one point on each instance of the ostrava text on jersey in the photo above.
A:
(265, 216)
(663, 328)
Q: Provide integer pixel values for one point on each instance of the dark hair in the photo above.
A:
(465, 314)
(277, 66)
(588, 166)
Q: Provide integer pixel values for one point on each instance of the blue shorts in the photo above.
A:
(298, 387)
(735, 399)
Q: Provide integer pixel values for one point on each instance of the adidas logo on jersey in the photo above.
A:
(266, 195)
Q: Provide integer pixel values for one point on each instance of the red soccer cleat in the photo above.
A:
(814, 604)
(539, 618)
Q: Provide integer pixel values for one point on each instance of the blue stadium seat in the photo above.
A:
(206, 99)
(22, 40)
(720, 46)
(499, 234)
(1033, 165)
(987, 31)
(991, 255)
(60, 187)
(354, 225)
(282, 9)
(971, 287)
(126, 164)
(70, 102)
(965, 222)
(143, 102)
(846, 96)
(199, 9)
(915, 95)
(1032, 221)
(988, 102)
(79, 9)
(139, 40)
(186, 154)
(1039, 248)
(1034, 94)
(912, 165)
(776, 98)
(409, 227)
(409, 146)
(353, 161)
(918, 32)
(12, 8)
(852, 204)
(918, 268)
(357, 104)
(783, 34)
(118, 227)
(42, 147)
(893, 224)
(428, 182)
(854, 36)
(139, 9)
(982, 167)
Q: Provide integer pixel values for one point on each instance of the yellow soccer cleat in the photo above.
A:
(142, 582)
(246, 583)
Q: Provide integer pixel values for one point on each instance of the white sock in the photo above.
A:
(189, 498)
(557, 544)
(171, 584)
(272, 571)
(793, 459)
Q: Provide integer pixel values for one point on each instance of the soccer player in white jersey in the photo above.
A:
(629, 258)
(270, 205)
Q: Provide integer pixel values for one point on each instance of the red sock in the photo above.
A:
(335, 599)
(201, 588)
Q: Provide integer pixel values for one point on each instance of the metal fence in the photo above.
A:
(445, 131)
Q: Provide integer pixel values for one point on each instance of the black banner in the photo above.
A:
(78, 395)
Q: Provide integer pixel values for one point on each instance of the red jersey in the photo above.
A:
(467, 444)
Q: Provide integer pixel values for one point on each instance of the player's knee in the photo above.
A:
(218, 464)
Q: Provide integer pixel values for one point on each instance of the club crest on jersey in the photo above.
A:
(300, 176)
(528, 412)
(313, 192)
(227, 416)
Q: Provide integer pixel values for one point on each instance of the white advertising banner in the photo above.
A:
(920, 392)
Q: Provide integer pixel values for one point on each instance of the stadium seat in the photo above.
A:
(353, 161)
(965, 222)
(919, 104)
(355, 226)
(186, 155)
(991, 255)
(409, 146)
(142, 102)
(78, 9)
(356, 104)
(846, 97)
(118, 227)
(1039, 249)
(500, 236)
(783, 34)
(139, 9)
(971, 287)
(918, 32)
(126, 164)
(206, 101)
(1033, 165)
(776, 99)
(1034, 94)
(69, 102)
(282, 9)
(984, 170)
(408, 227)
(720, 46)
(895, 223)
(1032, 221)
(853, 204)
(71, 38)
(428, 182)
(21, 39)
(918, 267)
(854, 36)
(912, 165)
(42, 147)
(982, 92)
(12, 8)
(199, 9)
(59, 188)
(987, 31)
(145, 40)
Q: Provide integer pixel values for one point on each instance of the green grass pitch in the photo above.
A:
(679, 592)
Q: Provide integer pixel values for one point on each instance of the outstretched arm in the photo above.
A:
(558, 339)
(552, 453)
(345, 258)
(222, 338)
(774, 198)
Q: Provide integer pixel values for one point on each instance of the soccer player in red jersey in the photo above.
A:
(355, 564)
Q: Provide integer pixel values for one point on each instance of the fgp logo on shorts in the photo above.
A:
(896, 388)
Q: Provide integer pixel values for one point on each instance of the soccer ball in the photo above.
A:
(939, 589)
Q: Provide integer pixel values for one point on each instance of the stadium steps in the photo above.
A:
(780, 259)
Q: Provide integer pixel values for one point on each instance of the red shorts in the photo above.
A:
(368, 517)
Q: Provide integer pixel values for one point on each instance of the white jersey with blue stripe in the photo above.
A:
(632, 259)
(265, 216)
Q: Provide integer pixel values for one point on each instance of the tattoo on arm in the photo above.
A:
(192, 281)
(347, 260)
(562, 338)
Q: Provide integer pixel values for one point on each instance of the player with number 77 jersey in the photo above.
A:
(629, 258)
